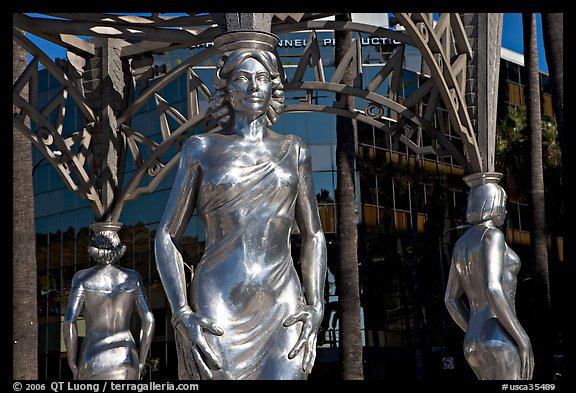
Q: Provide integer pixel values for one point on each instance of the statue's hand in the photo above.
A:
(192, 326)
(74, 372)
(527, 358)
(311, 318)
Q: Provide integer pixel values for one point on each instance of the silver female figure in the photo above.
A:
(107, 294)
(485, 269)
(246, 316)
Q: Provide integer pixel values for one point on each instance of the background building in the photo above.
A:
(403, 267)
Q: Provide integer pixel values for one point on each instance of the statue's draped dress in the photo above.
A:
(246, 281)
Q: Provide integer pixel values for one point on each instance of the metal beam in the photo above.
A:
(484, 31)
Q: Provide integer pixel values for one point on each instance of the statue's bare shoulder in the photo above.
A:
(91, 279)
(197, 145)
(493, 235)
(81, 276)
(301, 148)
(133, 278)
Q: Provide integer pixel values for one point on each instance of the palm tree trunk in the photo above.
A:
(346, 230)
(25, 317)
(539, 252)
(553, 32)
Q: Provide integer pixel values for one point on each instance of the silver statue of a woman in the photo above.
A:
(484, 270)
(246, 315)
(106, 295)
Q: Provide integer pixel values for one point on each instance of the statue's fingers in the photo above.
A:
(292, 319)
(307, 358)
(190, 362)
(210, 326)
(310, 358)
(309, 354)
(208, 352)
(525, 367)
(297, 348)
(302, 339)
(203, 369)
(525, 370)
(312, 355)
(306, 329)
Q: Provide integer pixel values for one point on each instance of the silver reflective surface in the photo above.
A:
(247, 315)
(484, 270)
(107, 295)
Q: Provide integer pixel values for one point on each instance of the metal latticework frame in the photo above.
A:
(444, 48)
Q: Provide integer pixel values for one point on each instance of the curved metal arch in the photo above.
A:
(458, 114)
(154, 34)
(386, 102)
(431, 49)
(363, 118)
(162, 82)
(69, 165)
(103, 25)
(152, 165)
(56, 72)
(132, 190)
(442, 75)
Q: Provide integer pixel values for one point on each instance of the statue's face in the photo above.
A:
(250, 88)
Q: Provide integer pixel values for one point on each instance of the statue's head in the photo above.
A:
(247, 77)
(105, 246)
(486, 198)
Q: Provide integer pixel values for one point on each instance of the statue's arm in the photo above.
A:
(70, 327)
(453, 299)
(313, 251)
(189, 326)
(313, 264)
(493, 249)
(177, 214)
(147, 324)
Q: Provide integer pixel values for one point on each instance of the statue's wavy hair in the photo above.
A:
(220, 107)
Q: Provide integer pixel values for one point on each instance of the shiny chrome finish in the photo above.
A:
(247, 315)
(484, 270)
(106, 295)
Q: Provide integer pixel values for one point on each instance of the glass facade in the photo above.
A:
(408, 207)
(513, 87)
